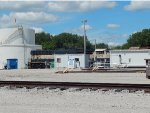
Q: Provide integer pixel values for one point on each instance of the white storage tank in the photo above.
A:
(17, 43)
(17, 35)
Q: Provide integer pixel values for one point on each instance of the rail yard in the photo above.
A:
(44, 90)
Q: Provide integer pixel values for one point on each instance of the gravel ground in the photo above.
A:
(72, 101)
(50, 75)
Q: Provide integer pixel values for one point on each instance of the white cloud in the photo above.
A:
(55, 6)
(113, 44)
(87, 27)
(110, 38)
(37, 29)
(79, 6)
(113, 26)
(79, 30)
(137, 5)
(23, 5)
(28, 17)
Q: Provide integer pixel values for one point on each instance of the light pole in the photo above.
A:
(84, 21)
(95, 44)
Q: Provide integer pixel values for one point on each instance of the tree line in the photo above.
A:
(139, 39)
(71, 41)
(64, 41)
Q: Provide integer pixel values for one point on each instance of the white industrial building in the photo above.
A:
(71, 60)
(129, 58)
(16, 43)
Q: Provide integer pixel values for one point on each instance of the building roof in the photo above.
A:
(64, 51)
(134, 48)
(129, 50)
(100, 49)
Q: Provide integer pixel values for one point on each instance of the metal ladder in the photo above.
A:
(14, 36)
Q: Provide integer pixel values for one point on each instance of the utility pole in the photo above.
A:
(84, 22)
(95, 44)
(24, 46)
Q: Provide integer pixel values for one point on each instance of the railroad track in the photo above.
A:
(104, 71)
(32, 84)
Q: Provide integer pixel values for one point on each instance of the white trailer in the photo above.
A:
(129, 58)
(71, 60)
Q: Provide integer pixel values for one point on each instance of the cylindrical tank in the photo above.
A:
(16, 43)
(16, 52)
(17, 35)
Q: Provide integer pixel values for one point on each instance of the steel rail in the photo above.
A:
(31, 84)
(104, 71)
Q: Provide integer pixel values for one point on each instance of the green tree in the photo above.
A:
(140, 39)
(61, 41)
(44, 39)
(102, 45)
(116, 47)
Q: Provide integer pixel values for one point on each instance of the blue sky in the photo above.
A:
(108, 22)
